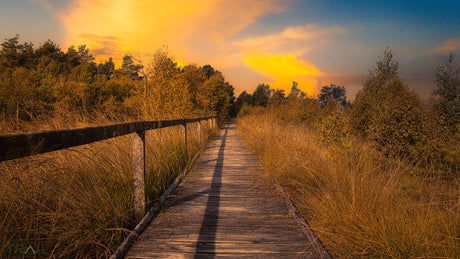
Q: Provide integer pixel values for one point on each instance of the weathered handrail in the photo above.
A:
(20, 145)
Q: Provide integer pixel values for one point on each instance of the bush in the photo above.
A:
(333, 127)
(386, 111)
(359, 203)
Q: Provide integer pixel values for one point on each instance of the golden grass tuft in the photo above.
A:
(359, 203)
(78, 202)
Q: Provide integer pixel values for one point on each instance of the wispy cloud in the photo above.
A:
(298, 40)
(43, 4)
(103, 46)
(191, 29)
(201, 31)
(448, 46)
(280, 56)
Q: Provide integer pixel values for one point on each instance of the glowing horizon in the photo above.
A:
(261, 41)
(115, 28)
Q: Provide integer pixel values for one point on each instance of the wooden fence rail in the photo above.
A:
(20, 145)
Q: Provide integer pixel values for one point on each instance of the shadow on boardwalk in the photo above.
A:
(224, 208)
(211, 213)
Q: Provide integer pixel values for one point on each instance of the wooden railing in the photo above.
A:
(20, 145)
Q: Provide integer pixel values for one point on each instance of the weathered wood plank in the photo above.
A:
(226, 209)
(243, 247)
(203, 255)
(25, 144)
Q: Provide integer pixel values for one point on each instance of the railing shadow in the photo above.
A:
(208, 229)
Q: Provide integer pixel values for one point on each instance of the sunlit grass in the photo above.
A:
(358, 202)
(78, 202)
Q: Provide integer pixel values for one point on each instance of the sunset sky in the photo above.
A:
(314, 43)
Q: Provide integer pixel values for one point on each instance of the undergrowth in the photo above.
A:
(359, 202)
(78, 202)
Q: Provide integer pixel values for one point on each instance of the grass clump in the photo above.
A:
(78, 202)
(357, 200)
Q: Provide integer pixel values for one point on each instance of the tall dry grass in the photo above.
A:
(359, 203)
(78, 202)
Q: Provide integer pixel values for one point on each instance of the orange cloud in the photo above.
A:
(102, 46)
(193, 30)
(283, 69)
(298, 39)
(449, 45)
(199, 31)
(261, 53)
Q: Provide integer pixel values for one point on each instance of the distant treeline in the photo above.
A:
(385, 112)
(45, 81)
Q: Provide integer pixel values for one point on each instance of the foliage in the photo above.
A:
(130, 68)
(386, 111)
(295, 92)
(358, 202)
(261, 95)
(47, 82)
(333, 127)
(332, 93)
(78, 202)
(167, 92)
(446, 98)
(277, 98)
(377, 178)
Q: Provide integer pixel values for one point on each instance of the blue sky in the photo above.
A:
(314, 43)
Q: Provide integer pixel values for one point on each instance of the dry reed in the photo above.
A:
(359, 203)
(78, 202)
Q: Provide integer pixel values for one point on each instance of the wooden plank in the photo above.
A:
(229, 225)
(203, 255)
(221, 247)
(224, 208)
(26, 144)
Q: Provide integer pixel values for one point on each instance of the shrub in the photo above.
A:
(386, 111)
(333, 127)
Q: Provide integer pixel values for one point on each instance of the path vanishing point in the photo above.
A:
(226, 208)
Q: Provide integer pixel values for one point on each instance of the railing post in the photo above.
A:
(139, 174)
(184, 136)
(199, 132)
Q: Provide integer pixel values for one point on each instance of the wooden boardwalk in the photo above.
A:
(224, 208)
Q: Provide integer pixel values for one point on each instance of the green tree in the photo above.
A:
(446, 98)
(106, 69)
(332, 93)
(386, 111)
(167, 91)
(195, 78)
(21, 93)
(261, 95)
(130, 68)
(10, 54)
(243, 99)
(277, 97)
(295, 92)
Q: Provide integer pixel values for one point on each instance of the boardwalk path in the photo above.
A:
(225, 208)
